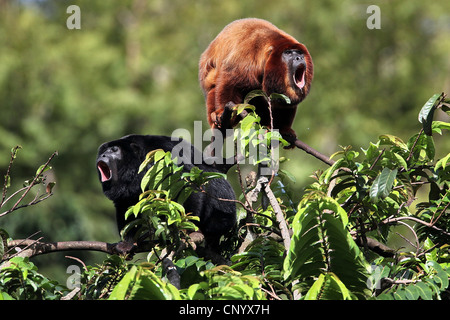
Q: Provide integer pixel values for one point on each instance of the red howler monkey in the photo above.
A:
(252, 54)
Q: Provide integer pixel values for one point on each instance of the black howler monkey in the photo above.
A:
(118, 163)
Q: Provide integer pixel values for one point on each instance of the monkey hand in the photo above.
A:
(216, 119)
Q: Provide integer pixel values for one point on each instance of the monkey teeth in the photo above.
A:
(104, 170)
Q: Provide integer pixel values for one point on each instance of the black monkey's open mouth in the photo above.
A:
(299, 76)
(104, 170)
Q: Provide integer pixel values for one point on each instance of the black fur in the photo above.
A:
(118, 163)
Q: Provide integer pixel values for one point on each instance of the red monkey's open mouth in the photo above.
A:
(104, 170)
(299, 76)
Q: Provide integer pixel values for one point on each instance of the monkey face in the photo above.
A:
(107, 164)
(289, 71)
(117, 167)
(295, 61)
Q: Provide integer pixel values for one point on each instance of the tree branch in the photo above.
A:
(34, 248)
(279, 216)
(303, 146)
(375, 246)
(263, 184)
(429, 225)
(225, 122)
(30, 248)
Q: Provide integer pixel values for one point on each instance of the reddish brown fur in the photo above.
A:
(245, 56)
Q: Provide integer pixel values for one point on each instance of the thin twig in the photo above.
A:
(433, 220)
(79, 261)
(377, 159)
(303, 146)
(27, 190)
(417, 246)
(7, 176)
(414, 145)
(427, 224)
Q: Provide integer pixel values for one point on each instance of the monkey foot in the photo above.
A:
(290, 138)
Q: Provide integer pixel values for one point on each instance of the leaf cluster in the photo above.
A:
(19, 280)
(160, 213)
(340, 228)
(359, 199)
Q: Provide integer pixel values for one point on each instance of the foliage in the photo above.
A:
(360, 198)
(356, 202)
(37, 180)
(323, 250)
(141, 283)
(115, 76)
(133, 68)
(20, 280)
(98, 281)
(23, 197)
(165, 187)
(378, 192)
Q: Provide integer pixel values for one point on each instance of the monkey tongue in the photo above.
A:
(302, 81)
(105, 172)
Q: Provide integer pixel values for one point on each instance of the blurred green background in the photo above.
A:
(132, 68)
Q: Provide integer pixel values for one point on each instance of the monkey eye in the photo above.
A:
(291, 55)
(293, 51)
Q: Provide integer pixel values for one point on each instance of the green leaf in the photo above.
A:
(148, 159)
(438, 126)
(280, 96)
(321, 243)
(5, 296)
(388, 139)
(401, 161)
(442, 162)
(248, 123)
(431, 149)
(192, 291)
(328, 287)
(332, 169)
(425, 292)
(140, 283)
(121, 290)
(427, 112)
(254, 94)
(42, 169)
(382, 185)
(372, 151)
(411, 292)
(243, 106)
